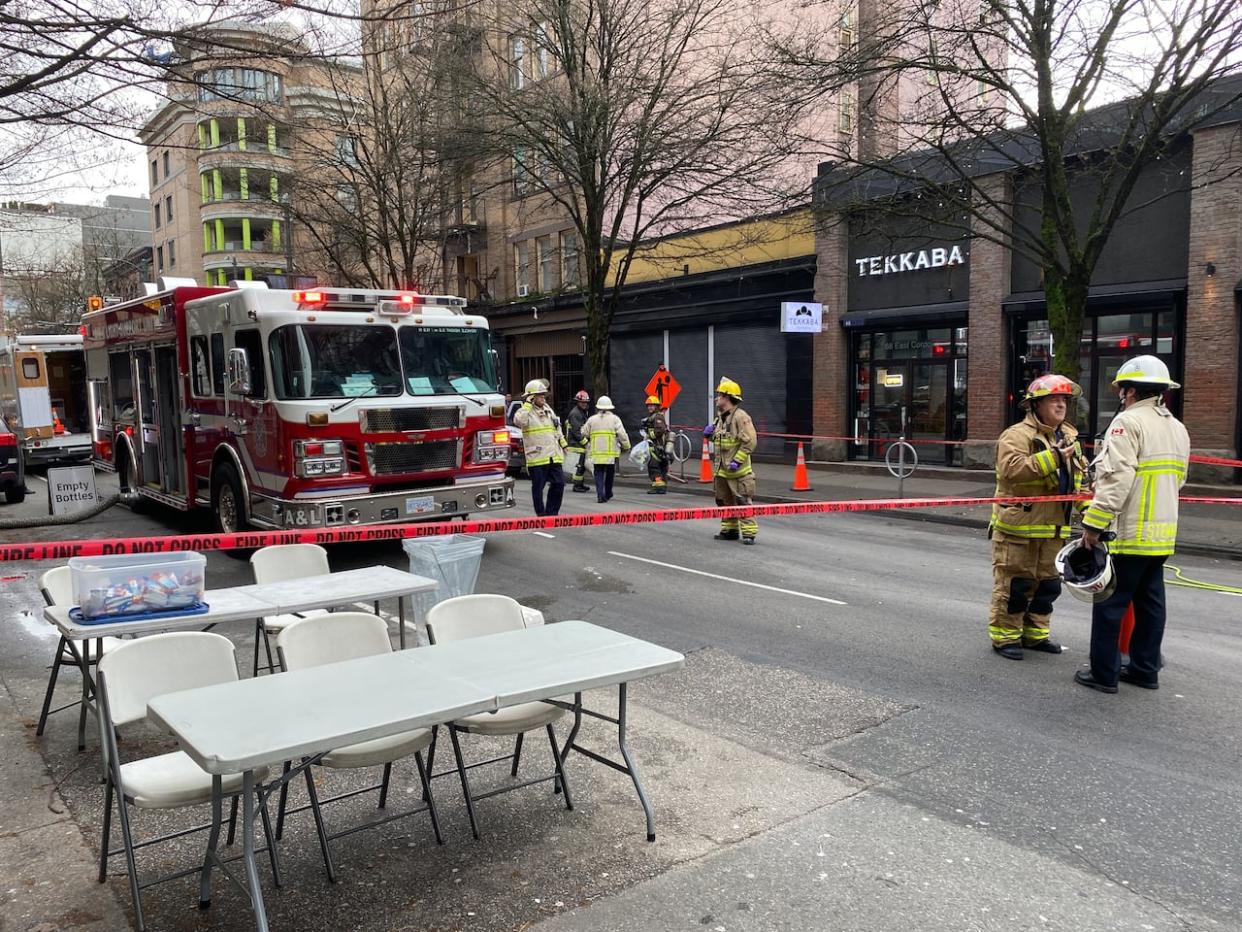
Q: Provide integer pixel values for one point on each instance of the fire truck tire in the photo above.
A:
(15, 494)
(127, 479)
(228, 513)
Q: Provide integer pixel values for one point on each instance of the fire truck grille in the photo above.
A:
(385, 459)
(381, 420)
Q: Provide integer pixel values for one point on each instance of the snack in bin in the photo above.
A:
(158, 592)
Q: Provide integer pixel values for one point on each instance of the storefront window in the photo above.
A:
(913, 344)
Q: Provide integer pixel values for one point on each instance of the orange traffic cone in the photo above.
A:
(1127, 628)
(802, 482)
(705, 465)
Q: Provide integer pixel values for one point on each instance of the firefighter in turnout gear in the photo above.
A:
(606, 438)
(735, 440)
(544, 447)
(1138, 474)
(577, 450)
(1040, 455)
(654, 429)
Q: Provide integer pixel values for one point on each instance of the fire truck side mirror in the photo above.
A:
(239, 372)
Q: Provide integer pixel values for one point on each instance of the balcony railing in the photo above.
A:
(239, 246)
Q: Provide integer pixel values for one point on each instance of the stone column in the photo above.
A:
(830, 365)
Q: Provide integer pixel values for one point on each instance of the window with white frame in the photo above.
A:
(521, 172)
(517, 61)
(521, 262)
(543, 50)
(571, 259)
(845, 115)
(846, 35)
(548, 254)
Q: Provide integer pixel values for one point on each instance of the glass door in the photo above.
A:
(890, 397)
(929, 409)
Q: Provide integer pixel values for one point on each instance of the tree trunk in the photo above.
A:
(597, 344)
(1066, 295)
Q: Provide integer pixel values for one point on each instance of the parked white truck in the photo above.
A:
(43, 397)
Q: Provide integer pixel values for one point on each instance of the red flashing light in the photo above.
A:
(938, 349)
(1124, 343)
(82, 331)
(312, 449)
(409, 299)
(309, 297)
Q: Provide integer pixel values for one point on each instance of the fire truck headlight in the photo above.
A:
(491, 446)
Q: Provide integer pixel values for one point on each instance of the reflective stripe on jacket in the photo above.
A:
(541, 436)
(575, 420)
(604, 431)
(735, 440)
(1138, 475)
(1027, 465)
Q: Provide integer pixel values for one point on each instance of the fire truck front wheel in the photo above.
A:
(228, 510)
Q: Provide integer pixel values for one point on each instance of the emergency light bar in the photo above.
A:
(392, 303)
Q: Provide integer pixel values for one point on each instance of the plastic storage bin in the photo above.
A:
(137, 584)
(452, 561)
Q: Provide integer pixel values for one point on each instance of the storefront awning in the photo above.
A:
(918, 314)
(1148, 292)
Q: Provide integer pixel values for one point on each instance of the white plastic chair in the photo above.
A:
(57, 587)
(472, 616)
(128, 677)
(279, 563)
(311, 642)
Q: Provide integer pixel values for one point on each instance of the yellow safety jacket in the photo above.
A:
(604, 431)
(735, 440)
(1138, 475)
(541, 435)
(1027, 465)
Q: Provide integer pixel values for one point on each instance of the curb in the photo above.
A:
(1189, 548)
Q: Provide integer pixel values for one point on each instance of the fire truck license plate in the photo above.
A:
(424, 504)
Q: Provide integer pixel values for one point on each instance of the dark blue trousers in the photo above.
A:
(1139, 580)
(605, 473)
(551, 477)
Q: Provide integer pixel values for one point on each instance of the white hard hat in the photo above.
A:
(536, 387)
(1086, 572)
(1145, 370)
(604, 403)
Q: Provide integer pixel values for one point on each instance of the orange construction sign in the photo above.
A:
(664, 387)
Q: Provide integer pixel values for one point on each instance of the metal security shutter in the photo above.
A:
(687, 360)
(756, 357)
(635, 358)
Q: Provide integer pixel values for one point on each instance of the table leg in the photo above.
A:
(252, 868)
(629, 762)
(401, 620)
(84, 663)
(213, 839)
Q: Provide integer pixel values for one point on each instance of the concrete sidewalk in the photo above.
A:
(1205, 530)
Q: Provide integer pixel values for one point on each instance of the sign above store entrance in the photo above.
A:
(913, 261)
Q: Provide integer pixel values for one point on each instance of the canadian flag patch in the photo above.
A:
(1118, 431)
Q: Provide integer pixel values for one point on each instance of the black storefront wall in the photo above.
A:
(908, 337)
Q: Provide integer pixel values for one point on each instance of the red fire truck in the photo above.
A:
(297, 409)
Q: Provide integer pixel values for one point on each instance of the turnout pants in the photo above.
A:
(736, 492)
(1139, 580)
(578, 455)
(1025, 584)
(657, 472)
(605, 473)
(551, 477)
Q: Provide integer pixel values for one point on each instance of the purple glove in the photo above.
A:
(709, 430)
(734, 465)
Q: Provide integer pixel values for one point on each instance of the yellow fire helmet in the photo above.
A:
(728, 387)
(652, 400)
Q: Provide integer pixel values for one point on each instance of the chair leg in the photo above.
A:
(517, 755)
(431, 803)
(431, 756)
(383, 800)
(560, 769)
(86, 694)
(107, 831)
(267, 646)
(270, 838)
(130, 864)
(319, 826)
(51, 685)
(258, 633)
(280, 809)
(228, 841)
(465, 781)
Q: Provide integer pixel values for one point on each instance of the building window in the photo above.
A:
(167, 165)
(155, 172)
(347, 150)
(156, 211)
(172, 254)
(543, 50)
(546, 246)
(517, 61)
(521, 260)
(159, 258)
(521, 172)
(846, 115)
(239, 84)
(168, 215)
(846, 35)
(571, 260)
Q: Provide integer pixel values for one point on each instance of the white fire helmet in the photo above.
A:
(1086, 572)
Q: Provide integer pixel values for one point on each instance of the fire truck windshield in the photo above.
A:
(446, 360)
(326, 361)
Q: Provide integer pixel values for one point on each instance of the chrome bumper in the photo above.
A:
(448, 501)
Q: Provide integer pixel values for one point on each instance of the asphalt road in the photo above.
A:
(955, 786)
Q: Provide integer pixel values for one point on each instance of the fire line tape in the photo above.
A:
(248, 540)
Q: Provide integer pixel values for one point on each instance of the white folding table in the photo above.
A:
(307, 713)
(249, 603)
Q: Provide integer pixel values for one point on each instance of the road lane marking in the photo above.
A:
(31, 475)
(544, 534)
(740, 582)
